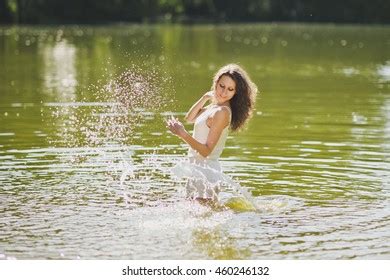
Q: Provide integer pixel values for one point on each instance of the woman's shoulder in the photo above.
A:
(223, 110)
(222, 113)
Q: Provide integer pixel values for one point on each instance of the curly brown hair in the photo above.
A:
(243, 101)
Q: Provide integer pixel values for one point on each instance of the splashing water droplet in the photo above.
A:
(116, 111)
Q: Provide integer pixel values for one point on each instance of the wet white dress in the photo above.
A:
(206, 172)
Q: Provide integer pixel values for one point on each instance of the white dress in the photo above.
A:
(206, 172)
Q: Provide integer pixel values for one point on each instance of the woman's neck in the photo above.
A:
(226, 103)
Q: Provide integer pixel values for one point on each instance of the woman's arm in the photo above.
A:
(197, 108)
(219, 122)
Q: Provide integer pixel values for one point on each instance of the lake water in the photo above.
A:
(85, 158)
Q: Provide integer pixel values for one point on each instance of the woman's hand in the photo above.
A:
(176, 127)
(208, 95)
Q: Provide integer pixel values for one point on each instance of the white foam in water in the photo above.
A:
(127, 171)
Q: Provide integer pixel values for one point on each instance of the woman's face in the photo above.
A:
(225, 89)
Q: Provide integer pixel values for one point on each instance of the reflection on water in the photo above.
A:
(60, 71)
(218, 245)
(86, 162)
(384, 72)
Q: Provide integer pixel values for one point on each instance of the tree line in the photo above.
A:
(107, 11)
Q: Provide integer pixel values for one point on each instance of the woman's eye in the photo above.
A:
(222, 86)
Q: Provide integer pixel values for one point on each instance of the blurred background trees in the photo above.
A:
(106, 11)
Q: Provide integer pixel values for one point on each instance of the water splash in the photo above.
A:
(105, 125)
(115, 112)
(146, 181)
(211, 178)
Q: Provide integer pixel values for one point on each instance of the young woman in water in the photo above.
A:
(232, 99)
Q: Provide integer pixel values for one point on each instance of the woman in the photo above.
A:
(232, 99)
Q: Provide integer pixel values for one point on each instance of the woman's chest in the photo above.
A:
(205, 119)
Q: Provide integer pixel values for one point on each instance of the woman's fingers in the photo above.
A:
(173, 124)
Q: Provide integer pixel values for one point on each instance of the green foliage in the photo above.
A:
(104, 11)
(5, 12)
